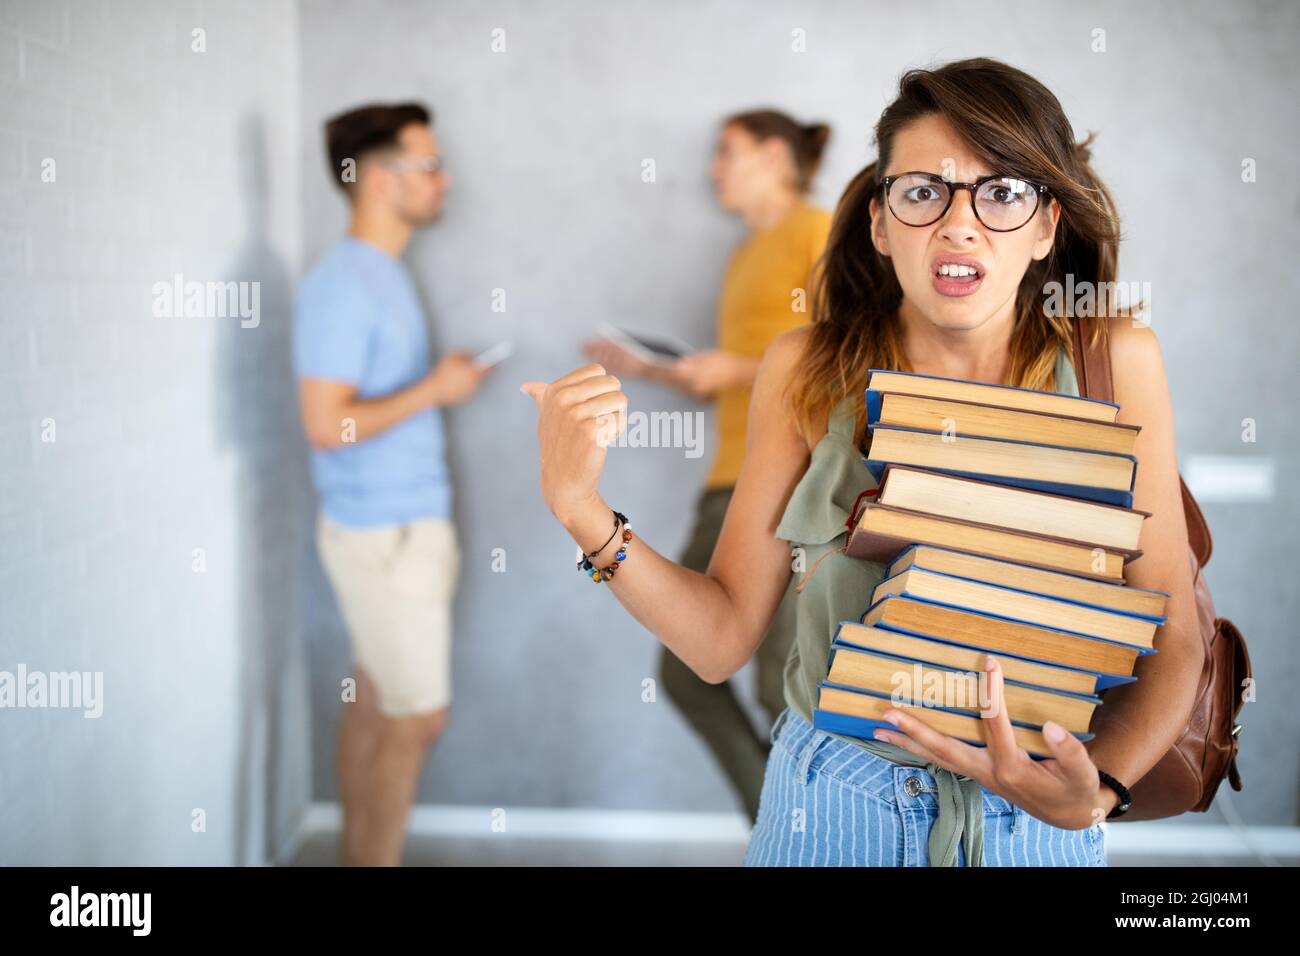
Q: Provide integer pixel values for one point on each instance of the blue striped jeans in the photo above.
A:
(826, 802)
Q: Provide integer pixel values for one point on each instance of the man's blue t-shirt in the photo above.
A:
(358, 319)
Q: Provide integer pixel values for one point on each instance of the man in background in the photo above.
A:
(371, 404)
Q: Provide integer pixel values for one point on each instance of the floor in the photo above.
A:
(321, 849)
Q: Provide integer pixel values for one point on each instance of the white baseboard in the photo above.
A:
(1219, 840)
(649, 826)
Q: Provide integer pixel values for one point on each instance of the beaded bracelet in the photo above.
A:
(606, 573)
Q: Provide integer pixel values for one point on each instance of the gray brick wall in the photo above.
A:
(170, 435)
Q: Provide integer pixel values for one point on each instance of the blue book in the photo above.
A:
(1141, 651)
(988, 420)
(1111, 661)
(963, 593)
(833, 700)
(915, 679)
(942, 650)
(865, 727)
(1021, 511)
(1145, 603)
(838, 645)
(1003, 461)
(1004, 396)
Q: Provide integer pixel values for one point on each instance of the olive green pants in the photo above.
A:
(713, 709)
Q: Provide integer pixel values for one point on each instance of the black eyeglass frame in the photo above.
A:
(1039, 190)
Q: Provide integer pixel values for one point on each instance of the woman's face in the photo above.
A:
(1000, 259)
(746, 170)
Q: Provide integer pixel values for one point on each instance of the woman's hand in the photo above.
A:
(578, 416)
(1064, 791)
(704, 374)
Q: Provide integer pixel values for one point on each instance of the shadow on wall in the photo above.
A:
(256, 412)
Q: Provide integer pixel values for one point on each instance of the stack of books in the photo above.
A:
(1004, 517)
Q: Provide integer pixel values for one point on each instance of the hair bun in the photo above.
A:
(804, 140)
(816, 135)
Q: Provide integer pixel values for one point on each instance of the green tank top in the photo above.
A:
(839, 589)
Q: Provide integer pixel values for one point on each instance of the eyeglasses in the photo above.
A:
(424, 164)
(1001, 203)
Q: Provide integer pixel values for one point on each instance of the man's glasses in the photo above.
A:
(1001, 203)
(423, 164)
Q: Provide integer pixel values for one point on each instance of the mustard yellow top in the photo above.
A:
(766, 292)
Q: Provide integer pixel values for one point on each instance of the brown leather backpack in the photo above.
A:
(1187, 777)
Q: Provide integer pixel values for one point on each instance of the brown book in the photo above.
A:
(1000, 636)
(1019, 606)
(964, 658)
(1004, 459)
(882, 533)
(1020, 509)
(1115, 597)
(1027, 399)
(922, 683)
(980, 420)
(837, 701)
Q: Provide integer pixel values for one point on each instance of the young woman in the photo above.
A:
(917, 796)
(762, 170)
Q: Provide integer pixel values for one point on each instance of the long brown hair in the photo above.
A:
(1015, 125)
(807, 141)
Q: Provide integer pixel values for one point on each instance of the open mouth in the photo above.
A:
(957, 278)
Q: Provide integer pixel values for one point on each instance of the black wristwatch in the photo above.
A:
(1125, 798)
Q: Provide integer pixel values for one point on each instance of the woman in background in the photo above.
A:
(762, 170)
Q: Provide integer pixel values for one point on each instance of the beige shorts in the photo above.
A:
(394, 586)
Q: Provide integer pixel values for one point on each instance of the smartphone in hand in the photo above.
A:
(494, 354)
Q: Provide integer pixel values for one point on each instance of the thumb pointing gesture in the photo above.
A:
(534, 389)
(575, 417)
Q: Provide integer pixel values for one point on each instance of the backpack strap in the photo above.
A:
(1092, 369)
(1092, 363)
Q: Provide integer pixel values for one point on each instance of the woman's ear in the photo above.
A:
(879, 238)
(1047, 229)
